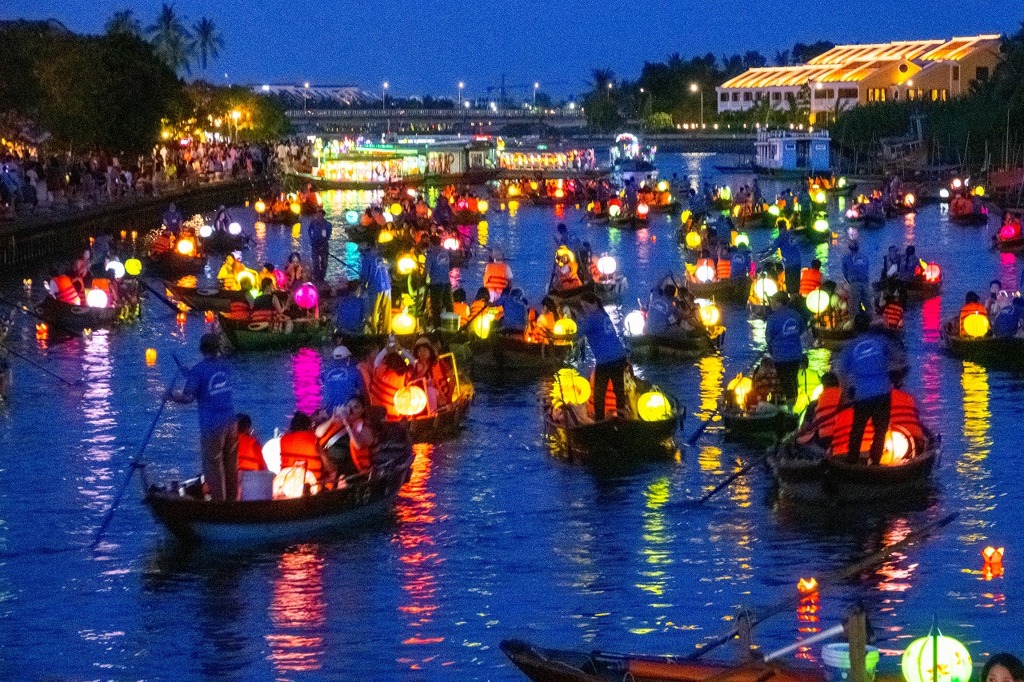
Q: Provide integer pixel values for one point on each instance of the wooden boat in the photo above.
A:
(629, 222)
(247, 335)
(446, 422)
(972, 218)
(173, 265)
(733, 290)
(212, 297)
(608, 292)
(512, 355)
(559, 665)
(807, 473)
(757, 426)
(837, 337)
(918, 289)
(695, 344)
(987, 351)
(191, 519)
(223, 242)
(1014, 241)
(76, 318)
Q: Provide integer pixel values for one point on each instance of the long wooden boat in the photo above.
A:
(560, 665)
(191, 519)
(735, 290)
(918, 289)
(630, 222)
(988, 351)
(76, 318)
(246, 335)
(696, 344)
(755, 427)
(219, 300)
(972, 219)
(807, 473)
(446, 422)
(512, 355)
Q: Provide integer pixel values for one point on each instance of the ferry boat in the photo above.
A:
(793, 153)
(631, 161)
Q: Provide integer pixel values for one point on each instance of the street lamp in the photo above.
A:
(384, 97)
(696, 88)
(536, 86)
(609, 91)
(461, 86)
(305, 96)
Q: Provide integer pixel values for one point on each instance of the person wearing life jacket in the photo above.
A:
(891, 311)
(479, 304)
(864, 369)
(822, 413)
(902, 414)
(427, 370)
(299, 447)
(723, 267)
(65, 290)
(362, 434)
(460, 307)
(972, 306)
(764, 386)
(228, 272)
(294, 271)
(389, 376)
(250, 453)
(810, 278)
(497, 275)
(566, 272)
(163, 243)
(543, 328)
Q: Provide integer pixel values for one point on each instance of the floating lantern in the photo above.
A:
(693, 240)
(684, 217)
(807, 585)
(306, 296)
(235, 229)
(765, 288)
(260, 206)
(385, 236)
(663, 185)
(634, 323)
(569, 388)
(606, 265)
(135, 235)
(932, 272)
(406, 265)
(614, 210)
(654, 406)
(395, 209)
(296, 207)
(351, 217)
(180, 318)
(709, 315)
(206, 231)
(114, 267)
(42, 331)
(642, 210)
(292, 482)
(820, 225)
(993, 558)
(851, 214)
(909, 200)
(451, 243)
(96, 298)
(952, 659)
(740, 386)
(979, 191)
(186, 247)
(897, 447)
(817, 301)
(976, 325)
(403, 324)
(124, 234)
(564, 327)
(741, 240)
(705, 273)
(150, 357)
(773, 210)
(410, 400)
(482, 206)
(944, 193)
(246, 276)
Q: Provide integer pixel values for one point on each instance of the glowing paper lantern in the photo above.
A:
(564, 327)
(634, 323)
(482, 206)
(663, 186)
(976, 325)
(296, 207)
(817, 301)
(709, 315)
(186, 247)
(395, 209)
(693, 240)
(741, 386)
(133, 266)
(306, 296)
(979, 191)
(957, 183)
(403, 324)
(115, 268)
(292, 481)
(852, 214)
(897, 447)
(569, 388)
(206, 231)
(932, 272)
(1007, 232)
(705, 273)
(482, 324)
(513, 190)
(235, 229)
(260, 206)
(642, 210)
(451, 243)
(741, 240)
(150, 357)
(765, 288)
(909, 200)
(96, 298)
(819, 197)
(246, 276)
(654, 406)
(272, 454)
(410, 400)
(943, 193)
(351, 217)
(773, 210)
(385, 236)
(820, 225)
(406, 265)
(614, 210)
(919, 659)
(606, 265)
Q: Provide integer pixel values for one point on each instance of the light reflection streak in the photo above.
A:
(657, 542)
(976, 492)
(893, 576)
(306, 380)
(298, 611)
(712, 373)
(99, 415)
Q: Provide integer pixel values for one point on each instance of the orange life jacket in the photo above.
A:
(828, 401)
(384, 384)
(66, 291)
(497, 276)
(810, 279)
(362, 458)
(162, 244)
(724, 269)
(250, 456)
(610, 403)
(298, 447)
(892, 315)
(476, 308)
(462, 310)
(971, 309)
(902, 414)
(569, 279)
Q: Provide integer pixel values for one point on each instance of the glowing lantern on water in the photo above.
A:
(395, 209)
(741, 240)
(943, 193)
(709, 315)
(180, 318)
(979, 191)
(150, 357)
(235, 229)
(852, 214)
(272, 454)
(42, 331)
(96, 298)
(246, 276)
(209, 317)
(634, 323)
(306, 296)
(406, 265)
(693, 240)
(351, 217)
(1007, 232)
(296, 207)
(260, 206)
(819, 197)
(932, 272)
(993, 558)
(115, 268)
(292, 481)
(653, 406)
(403, 324)
(897, 447)
(817, 301)
(765, 288)
(482, 206)
(614, 210)
(807, 585)
(569, 388)
(186, 247)
(606, 265)
(385, 236)
(820, 225)
(451, 243)
(705, 273)
(565, 327)
(976, 325)
(206, 231)
(663, 186)
(685, 216)
(952, 659)
(909, 200)
(410, 400)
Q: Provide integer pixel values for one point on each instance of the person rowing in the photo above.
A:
(609, 353)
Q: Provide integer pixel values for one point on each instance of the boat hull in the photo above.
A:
(996, 353)
(445, 423)
(615, 442)
(501, 353)
(246, 336)
(722, 291)
(76, 318)
(757, 427)
(690, 346)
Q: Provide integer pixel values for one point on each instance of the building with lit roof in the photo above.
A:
(848, 75)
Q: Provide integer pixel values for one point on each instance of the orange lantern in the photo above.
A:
(807, 585)
(150, 357)
(291, 482)
(410, 400)
(993, 558)
(186, 247)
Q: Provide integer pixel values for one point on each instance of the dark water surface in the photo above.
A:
(493, 537)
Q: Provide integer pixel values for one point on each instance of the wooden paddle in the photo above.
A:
(76, 383)
(829, 580)
(23, 308)
(159, 295)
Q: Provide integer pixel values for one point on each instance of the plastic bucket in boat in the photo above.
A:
(257, 485)
(836, 658)
(450, 321)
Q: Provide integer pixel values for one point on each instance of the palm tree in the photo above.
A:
(602, 78)
(171, 39)
(207, 42)
(123, 22)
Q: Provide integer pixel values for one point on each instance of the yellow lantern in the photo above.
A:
(482, 206)
(385, 236)
(403, 324)
(741, 239)
(565, 327)
(186, 247)
(685, 216)
(260, 206)
(569, 388)
(693, 240)
(976, 325)
(246, 276)
(820, 225)
(150, 357)
(654, 406)
(773, 210)
(296, 207)
(291, 482)
(765, 288)
(663, 186)
(953, 659)
(482, 324)
(410, 401)
(807, 585)
(898, 446)
(406, 265)
(709, 315)
(614, 210)
(817, 301)
(396, 209)
(819, 197)
(513, 190)
(741, 386)
(133, 266)
(979, 191)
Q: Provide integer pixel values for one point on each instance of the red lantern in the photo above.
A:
(932, 273)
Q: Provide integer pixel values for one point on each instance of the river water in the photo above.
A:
(493, 537)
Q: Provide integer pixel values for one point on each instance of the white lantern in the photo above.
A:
(115, 268)
(291, 482)
(206, 231)
(96, 298)
(634, 323)
(606, 265)
(272, 454)
(705, 273)
(235, 229)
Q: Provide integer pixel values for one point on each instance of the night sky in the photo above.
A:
(428, 46)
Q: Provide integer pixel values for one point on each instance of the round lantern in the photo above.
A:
(1007, 232)
(395, 209)
(351, 217)
(133, 267)
(260, 206)
(451, 243)
(410, 400)
(976, 325)
(709, 315)
(943, 193)
(482, 324)
(614, 210)
(765, 288)
(957, 183)
(306, 296)
(852, 214)
(932, 272)
(979, 191)
(235, 229)
(820, 225)
(246, 276)
(406, 265)
(403, 324)
(513, 190)
(819, 197)
(653, 406)
(920, 658)
(96, 298)
(606, 265)
(663, 186)
(693, 240)
(898, 447)
(569, 388)
(115, 268)
(741, 240)
(186, 247)
(296, 207)
(385, 236)
(705, 273)
(634, 323)
(564, 327)
(773, 210)
(909, 200)
(291, 482)
(642, 210)
(206, 231)
(741, 386)
(150, 357)
(482, 206)
(817, 301)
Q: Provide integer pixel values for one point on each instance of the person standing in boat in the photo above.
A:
(863, 367)
(782, 334)
(378, 285)
(208, 383)
(173, 219)
(319, 233)
(609, 353)
(790, 255)
(439, 284)
(856, 271)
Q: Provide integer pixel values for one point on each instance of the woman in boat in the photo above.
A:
(228, 273)
(390, 370)
(1003, 668)
(250, 453)
(300, 447)
(427, 369)
(294, 272)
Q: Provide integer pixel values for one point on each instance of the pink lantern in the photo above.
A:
(280, 279)
(1008, 231)
(306, 296)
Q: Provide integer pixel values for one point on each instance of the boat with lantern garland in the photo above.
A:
(182, 510)
(985, 350)
(246, 334)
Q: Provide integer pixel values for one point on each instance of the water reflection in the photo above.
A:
(655, 550)
(306, 379)
(972, 470)
(100, 418)
(298, 611)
